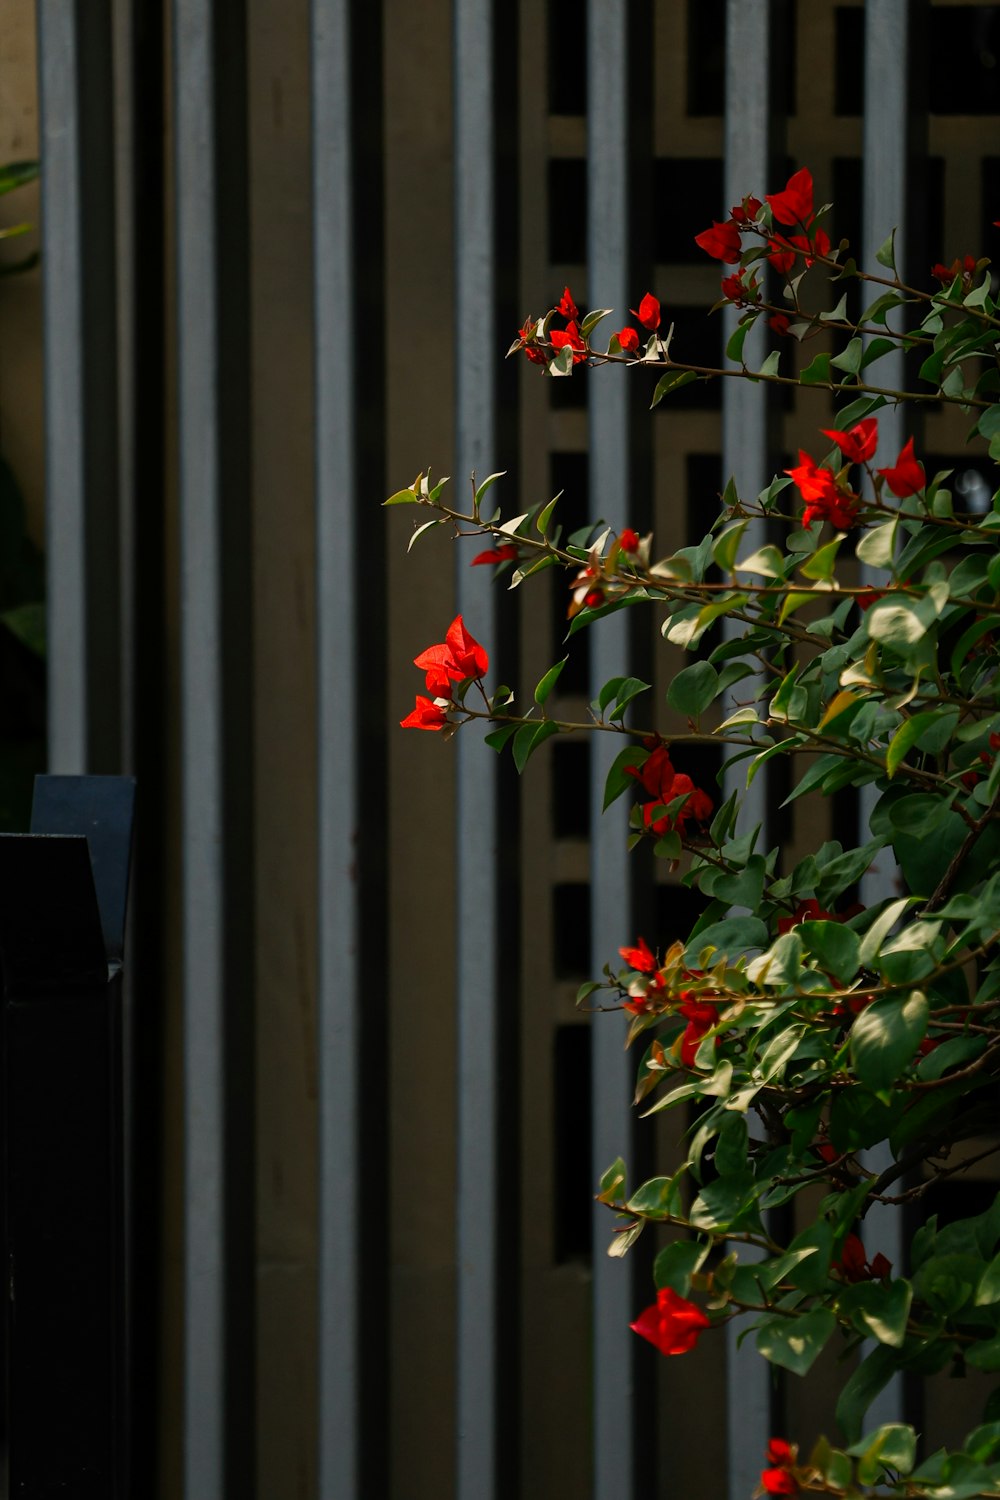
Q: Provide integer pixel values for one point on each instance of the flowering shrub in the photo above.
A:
(808, 1028)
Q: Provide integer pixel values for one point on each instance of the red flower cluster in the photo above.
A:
(701, 1017)
(628, 540)
(628, 340)
(906, 476)
(794, 207)
(559, 338)
(662, 783)
(809, 911)
(824, 497)
(964, 267)
(643, 961)
(459, 658)
(673, 1324)
(779, 1478)
(854, 1264)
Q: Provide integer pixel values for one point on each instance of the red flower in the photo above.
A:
(648, 312)
(700, 1017)
(779, 322)
(426, 715)
(628, 340)
(782, 251)
(825, 500)
(640, 958)
(781, 1453)
(567, 307)
(570, 337)
(672, 1323)
(526, 334)
(458, 658)
(795, 204)
(809, 911)
(853, 1264)
(628, 541)
(494, 555)
(859, 443)
(722, 241)
(741, 293)
(747, 211)
(907, 475)
(779, 1482)
(656, 773)
(868, 597)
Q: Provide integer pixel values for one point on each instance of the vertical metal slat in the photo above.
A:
(338, 657)
(884, 182)
(476, 906)
(209, 114)
(744, 455)
(81, 457)
(612, 1068)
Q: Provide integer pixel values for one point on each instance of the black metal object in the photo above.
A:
(62, 918)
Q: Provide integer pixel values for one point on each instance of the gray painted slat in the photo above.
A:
(612, 1068)
(81, 392)
(216, 672)
(203, 915)
(744, 455)
(338, 655)
(476, 881)
(884, 181)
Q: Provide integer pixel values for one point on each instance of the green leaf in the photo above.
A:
(499, 737)
(629, 688)
(725, 545)
(529, 737)
(676, 1264)
(984, 1355)
(906, 737)
(795, 1343)
(875, 349)
(849, 359)
(592, 319)
(27, 623)
(733, 935)
(893, 1446)
(886, 253)
(487, 485)
(618, 778)
(671, 381)
(877, 547)
(612, 1183)
(835, 947)
(655, 1199)
(818, 372)
(821, 564)
(770, 365)
(402, 497)
(880, 1310)
(885, 1036)
(15, 174)
(693, 689)
(549, 681)
(871, 1376)
(545, 516)
(767, 561)
(734, 348)
(724, 1202)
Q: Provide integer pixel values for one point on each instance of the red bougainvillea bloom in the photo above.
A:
(781, 1453)
(779, 1481)
(742, 293)
(640, 958)
(965, 268)
(700, 1017)
(494, 555)
(825, 500)
(747, 211)
(854, 1265)
(566, 307)
(672, 1323)
(656, 772)
(809, 911)
(722, 241)
(648, 312)
(794, 205)
(426, 715)
(858, 444)
(628, 340)
(560, 338)
(628, 540)
(779, 322)
(906, 476)
(525, 333)
(781, 256)
(458, 658)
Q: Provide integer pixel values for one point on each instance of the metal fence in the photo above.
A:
(161, 605)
